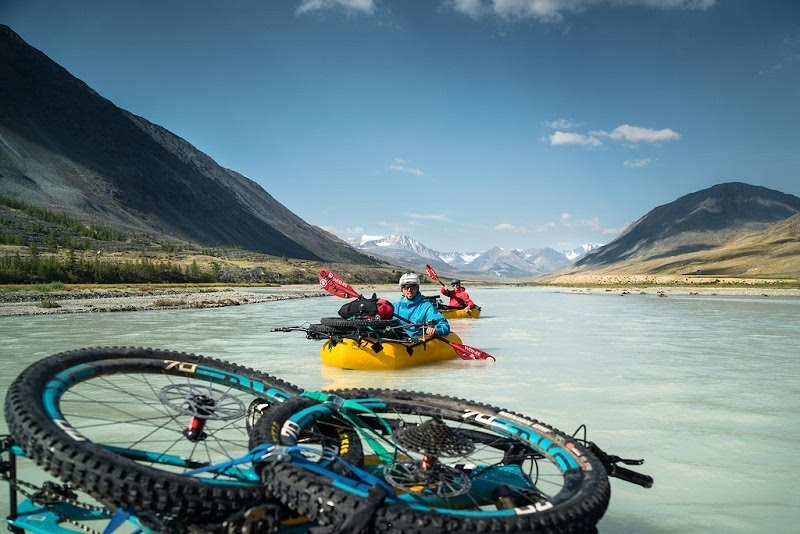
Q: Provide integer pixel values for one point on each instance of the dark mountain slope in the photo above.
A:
(253, 197)
(699, 221)
(65, 147)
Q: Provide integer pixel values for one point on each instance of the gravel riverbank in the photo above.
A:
(131, 299)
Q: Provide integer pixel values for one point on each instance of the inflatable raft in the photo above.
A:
(461, 313)
(388, 354)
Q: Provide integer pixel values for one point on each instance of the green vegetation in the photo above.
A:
(91, 231)
(166, 303)
(34, 268)
(41, 288)
(38, 246)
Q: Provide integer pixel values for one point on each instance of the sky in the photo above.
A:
(465, 124)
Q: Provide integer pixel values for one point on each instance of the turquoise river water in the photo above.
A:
(705, 389)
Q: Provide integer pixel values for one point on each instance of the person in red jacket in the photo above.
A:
(458, 296)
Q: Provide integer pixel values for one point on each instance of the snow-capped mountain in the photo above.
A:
(491, 264)
(580, 251)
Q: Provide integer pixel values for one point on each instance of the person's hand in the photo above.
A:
(443, 290)
(430, 331)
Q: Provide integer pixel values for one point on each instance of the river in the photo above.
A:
(705, 388)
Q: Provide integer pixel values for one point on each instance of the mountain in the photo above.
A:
(494, 264)
(66, 148)
(708, 225)
(580, 251)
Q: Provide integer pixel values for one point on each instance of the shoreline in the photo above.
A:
(97, 300)
(665, 291)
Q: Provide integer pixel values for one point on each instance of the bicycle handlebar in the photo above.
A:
(633, 477)
(610, 462)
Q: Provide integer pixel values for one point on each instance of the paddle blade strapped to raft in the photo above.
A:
(335, 285)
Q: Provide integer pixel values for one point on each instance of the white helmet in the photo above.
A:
(409, 279)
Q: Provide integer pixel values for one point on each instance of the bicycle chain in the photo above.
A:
(54, 497)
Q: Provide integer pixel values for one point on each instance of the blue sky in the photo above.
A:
(465, 124)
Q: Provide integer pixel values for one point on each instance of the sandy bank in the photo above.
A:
(675, 285)
(665, 291)
(131, 299)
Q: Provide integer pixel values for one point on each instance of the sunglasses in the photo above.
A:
(409, 286)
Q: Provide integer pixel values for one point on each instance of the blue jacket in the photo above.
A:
(418, 310)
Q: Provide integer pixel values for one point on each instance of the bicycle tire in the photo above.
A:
(339, 438)
(323, 329)
(353, 324)
(577, 505)
(38, 405)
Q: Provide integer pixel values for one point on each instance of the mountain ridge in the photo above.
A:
(494, 264)
(698, 227)
(64, 146)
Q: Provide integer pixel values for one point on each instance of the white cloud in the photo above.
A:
(644, 162)
(428, 217)
(331, 229)
(357, 230)
(365, 6)
(570, 138)
(402, 165)
(554, 10)
(637, 134)
(471, 8)
(394, 227)
(508, 227)
(592, 223)
(563, 124)
(407, 170)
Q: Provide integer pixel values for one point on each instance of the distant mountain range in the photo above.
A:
(494, 264)
(66, 148)
(730, 229)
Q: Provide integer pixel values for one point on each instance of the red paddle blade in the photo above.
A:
(432, 273)
(335, 285)
(466, 352)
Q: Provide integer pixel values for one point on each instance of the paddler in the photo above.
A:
(416, 310)
(459, 298)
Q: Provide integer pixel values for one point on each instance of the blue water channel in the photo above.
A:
(705, 388)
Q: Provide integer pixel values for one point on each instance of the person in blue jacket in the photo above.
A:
(416, 310)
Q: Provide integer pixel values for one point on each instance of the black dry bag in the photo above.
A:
(360, 307)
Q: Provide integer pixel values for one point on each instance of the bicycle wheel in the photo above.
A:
(452, 464)
(126, 424)
(352, 324)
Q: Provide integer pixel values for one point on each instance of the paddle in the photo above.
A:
(465, 352)
(434, 276)
(337, 286)
(334, 284)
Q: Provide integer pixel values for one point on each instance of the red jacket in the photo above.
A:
(458, 298)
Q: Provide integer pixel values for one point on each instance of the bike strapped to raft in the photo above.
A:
(336, 285)
(167, 440)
